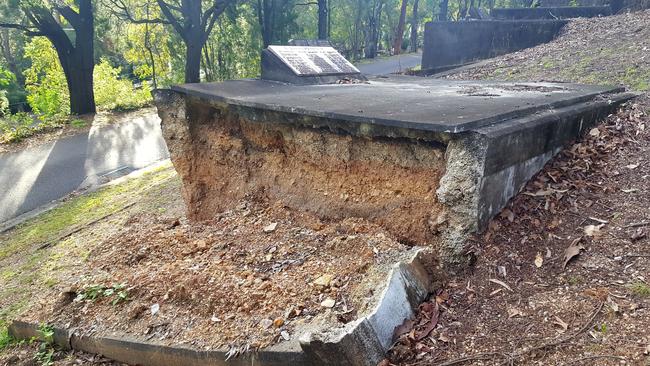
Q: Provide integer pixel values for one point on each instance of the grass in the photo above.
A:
(640, 289)
(27, 270)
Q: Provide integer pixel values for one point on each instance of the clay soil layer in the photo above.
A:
(223, 157)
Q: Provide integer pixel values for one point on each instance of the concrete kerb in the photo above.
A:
(363, 342)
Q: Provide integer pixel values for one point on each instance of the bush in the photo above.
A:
(112, 93)
(4, 104)
(48, 92)
(18, 126)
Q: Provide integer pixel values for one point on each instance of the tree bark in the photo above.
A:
(444, 9)
(322, 19)
(399, 32)
(9, 57)
(414, 27)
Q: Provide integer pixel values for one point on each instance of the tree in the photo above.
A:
(399, 32)
(323, 19)
(414, 27)
(193, 20)
(444, 10)
(76, 56)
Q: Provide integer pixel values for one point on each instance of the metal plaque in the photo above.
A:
(310, 61)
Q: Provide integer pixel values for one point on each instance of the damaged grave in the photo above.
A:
(324, 205)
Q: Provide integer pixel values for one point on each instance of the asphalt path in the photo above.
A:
(36, 176)
(390, 65)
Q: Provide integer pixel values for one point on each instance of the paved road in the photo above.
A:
(36, 176)
(389, 65)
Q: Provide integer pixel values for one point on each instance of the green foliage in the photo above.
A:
(116, 293)
(113, 93)
(5, 339)
(16, 127)
(640, 289)
(45, 81)
(48, 92)
(46, 349)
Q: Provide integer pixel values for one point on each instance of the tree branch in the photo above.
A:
(70, 15)
(125, 14)
(165, 8)
(32, 32)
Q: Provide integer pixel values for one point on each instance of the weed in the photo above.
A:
(5, 339)
(118, 293)
(46, 349)
(640, 289)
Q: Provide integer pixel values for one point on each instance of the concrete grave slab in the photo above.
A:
(430, 160)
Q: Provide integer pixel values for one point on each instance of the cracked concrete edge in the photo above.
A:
(366, 340)
(363, 342)
(88, 186)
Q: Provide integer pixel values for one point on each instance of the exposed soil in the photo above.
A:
(609, 50)
(519, 304)
(387, 181)
(239, 280)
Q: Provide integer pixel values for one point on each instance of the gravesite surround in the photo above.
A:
(430, 160)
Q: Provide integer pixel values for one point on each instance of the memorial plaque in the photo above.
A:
(313, 61)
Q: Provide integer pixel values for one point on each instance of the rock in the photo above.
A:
(285, 335)
(328, 303)
(271, 227)
(266, 323)
(155, 308)
(201, 245)
(323, 280)
(278, 322)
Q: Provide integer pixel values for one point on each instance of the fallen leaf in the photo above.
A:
(593, 230)
(328, 303)
(595, 132)
(631, 190)
(572, 251)
(404, 328)
(435, 314)
(501, 283)
(647, 350)
(513, 312)
(285, 335)
(561, 323)
(539, 260)
(632, 166)
(612, 304)
(638, 234)
(508, 214)
(384, 362)
(271, 227)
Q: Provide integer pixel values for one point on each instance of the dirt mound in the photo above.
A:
(247, 278)
(609, 50)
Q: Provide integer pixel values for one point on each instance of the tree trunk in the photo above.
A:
(9, 57)
(414, 27)
(399, 32)
(444, 9)
(78, 62)
(193, 62)
(322, 19)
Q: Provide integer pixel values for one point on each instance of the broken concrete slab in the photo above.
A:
(430, 160)
(362, 342)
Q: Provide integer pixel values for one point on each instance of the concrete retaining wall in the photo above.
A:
(456, 43)
(563, 12)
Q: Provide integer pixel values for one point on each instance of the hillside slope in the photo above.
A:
(609, 50)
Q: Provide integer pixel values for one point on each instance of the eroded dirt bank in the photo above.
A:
(223, 157)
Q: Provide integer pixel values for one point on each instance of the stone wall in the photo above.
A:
(457, 43)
